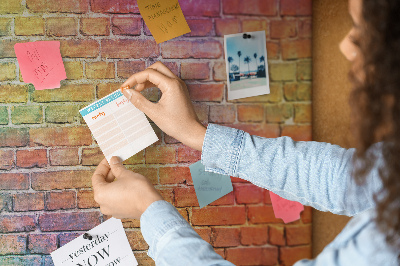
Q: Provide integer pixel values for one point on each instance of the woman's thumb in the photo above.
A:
(116, 166)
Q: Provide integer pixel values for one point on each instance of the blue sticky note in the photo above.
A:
(209, 186)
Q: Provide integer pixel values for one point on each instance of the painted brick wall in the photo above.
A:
(47, 154)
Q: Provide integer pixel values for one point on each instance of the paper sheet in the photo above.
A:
(287, 210)
(41, 63)
(209, 186)
(164, 18)
(109, 246)
(118, 126)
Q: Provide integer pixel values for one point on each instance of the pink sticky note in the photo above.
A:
(41, 63)
(287, 210)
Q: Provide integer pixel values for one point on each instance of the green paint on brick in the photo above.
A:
(62, 114)
(26, 115)
(3, 115)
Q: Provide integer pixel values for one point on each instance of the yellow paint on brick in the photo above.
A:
(7, 71)
(5, 26)
(95, 26)
(100, 70)
(13, 94)
(29, 26)
(74, 70)
(282, 71)
(62, 26)
(10, 6)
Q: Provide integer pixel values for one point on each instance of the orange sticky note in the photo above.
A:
(287, 210)
(164, 18)
(41, 63)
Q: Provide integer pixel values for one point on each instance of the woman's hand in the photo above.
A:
(120, 192)
(173, 113)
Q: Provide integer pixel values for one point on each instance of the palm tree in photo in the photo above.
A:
(239, 54)
(255, 58)
(247, 60)
(230, 60)
(262, 59)
(261, 68)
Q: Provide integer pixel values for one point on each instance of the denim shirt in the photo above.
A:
(312, 173)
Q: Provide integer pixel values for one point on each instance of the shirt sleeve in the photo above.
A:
(312, 173)
(172, 241)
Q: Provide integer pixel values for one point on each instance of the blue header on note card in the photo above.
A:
(101, 103)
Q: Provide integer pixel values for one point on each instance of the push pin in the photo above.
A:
(87, 236)
(246, 36)
(127, 87)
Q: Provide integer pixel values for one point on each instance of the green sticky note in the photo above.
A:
(209, 186)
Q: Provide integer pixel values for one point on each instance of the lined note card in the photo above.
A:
(118, 126)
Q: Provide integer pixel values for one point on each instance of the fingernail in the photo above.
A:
(115, 160)
(128, 93)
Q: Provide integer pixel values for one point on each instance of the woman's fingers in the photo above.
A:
(160, 67)
(149, 75)
(100, 174)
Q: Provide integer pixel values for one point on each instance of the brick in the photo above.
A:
(206, 92)
(187, 154)
(68, 221)
(278, 113)
(29, 26)
(204, 233)
(197, 70)
(175, 175)
(138, 158)
(274, 96)
(219, 215)
(253, 236)
(124, 48)
(120, 6)
(201, 111)
(29, 202)
(17, 223)
(261, 214)
(125, 69)
(290, 255)
(7, 48)
(298, 234)
(302, 113)
(306, 215)
(226, 26)
(61, 180)
(60, 200)
(185, 197)
(273, 50)
(65, 238)
(130, 223)
(66, 26)
(6, 159)
(10, 7)
(261, 130)
(276, 235)
(282, 71)
(86, 199)
(219, 71)
(95, 26)
(64, 156)
(160, 154)
(92, 156)
(250, 113)
(191, 49)
(62, 113)
(252, 255)
(31, 158)
(74, 70)
(79, 48)
(57, 136)
(298, 133)
(250, 7)
(248, 193)
(3, 115)
(203, 8)
(296, 7)
(13, 137)
(5, 26)
(255, 25)
(168, 196)
(149, 173)
(199, 27)
(296, 49)
(14, 94)
(281, 29)
(136, 240)
(42, 243)
(221, 252)
(297, 91)
(304, 70)
(20, 260)
(305, 28)
(143, 259)
(5, 203)
(172, 65)
(26, 114)
(126, 25)
(222, 114)
(12, 244)
(13, 181)
(225, 237)
(7, 71)
(73, 6)
(68, 93)
(100, 70)
(267, 198)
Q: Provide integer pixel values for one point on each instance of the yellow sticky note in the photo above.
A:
(164, 18)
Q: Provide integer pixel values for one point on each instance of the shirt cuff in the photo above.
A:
(222, 148)
(159, 218)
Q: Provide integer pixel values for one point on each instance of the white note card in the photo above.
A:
(118, 126)
(109, 246)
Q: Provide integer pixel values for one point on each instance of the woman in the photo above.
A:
(317, 174)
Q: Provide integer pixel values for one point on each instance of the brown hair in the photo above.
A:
(376, 106)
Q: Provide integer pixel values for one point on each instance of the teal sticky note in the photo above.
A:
(209, 186)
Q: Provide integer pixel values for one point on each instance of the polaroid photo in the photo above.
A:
(246, 64)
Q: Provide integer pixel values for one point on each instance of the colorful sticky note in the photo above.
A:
(287, 210)
(41, 63)
(209, 186)
(164, 18)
